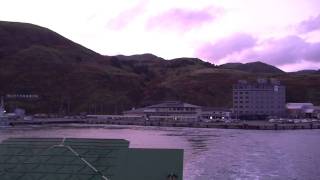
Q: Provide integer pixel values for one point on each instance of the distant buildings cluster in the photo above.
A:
(267, 99)
(258, 100)
(262, 99)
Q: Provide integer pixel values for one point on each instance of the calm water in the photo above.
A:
(211, 153)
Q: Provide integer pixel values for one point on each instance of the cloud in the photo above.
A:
(126, 17)
(309, 25)
(287, 50)
(224, 47)
(244, 47)
(183, 19)
(312, 53)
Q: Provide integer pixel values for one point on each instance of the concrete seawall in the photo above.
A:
(255, 125)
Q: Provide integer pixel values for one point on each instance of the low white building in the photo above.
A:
(316, 112)
(300, 110)
(168, 108)
(210, 113)
(180, 111)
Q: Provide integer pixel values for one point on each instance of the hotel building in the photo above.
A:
(259, 100)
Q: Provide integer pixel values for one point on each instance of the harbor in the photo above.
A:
(171, 114)
(160, 90)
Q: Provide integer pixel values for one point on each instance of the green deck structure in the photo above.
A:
(86, 159)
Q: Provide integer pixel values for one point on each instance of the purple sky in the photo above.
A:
(284, 33)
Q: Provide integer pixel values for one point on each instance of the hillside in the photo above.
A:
(230, 65)
(253, 67)
(67, 76)
(70, 78)
(305, 72)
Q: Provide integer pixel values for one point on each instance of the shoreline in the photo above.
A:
(246, 125)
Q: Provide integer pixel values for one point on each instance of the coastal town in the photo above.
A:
(256, 105)
(160, 90)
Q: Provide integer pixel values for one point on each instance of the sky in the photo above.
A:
(283, 33)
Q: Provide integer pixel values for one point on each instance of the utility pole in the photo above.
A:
(2, 102)
(68, 105)
(2, 110)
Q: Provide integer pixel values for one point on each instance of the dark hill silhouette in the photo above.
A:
(253, 67)
(305, 72)
(70, 78)
(22, 36)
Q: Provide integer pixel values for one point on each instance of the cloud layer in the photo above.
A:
(286, 50)
(124, 18)
(282, 51)
(181, 19)
(279, 51)
(311, 24)
(226, 46)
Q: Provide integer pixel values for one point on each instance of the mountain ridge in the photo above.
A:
(70, 78)
(254, 67)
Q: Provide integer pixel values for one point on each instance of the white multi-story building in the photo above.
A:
(261, 99)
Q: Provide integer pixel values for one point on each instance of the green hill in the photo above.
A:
(70, 78)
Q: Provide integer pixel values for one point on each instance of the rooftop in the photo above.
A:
(70, 158)
(173, 104)
(298, 105)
